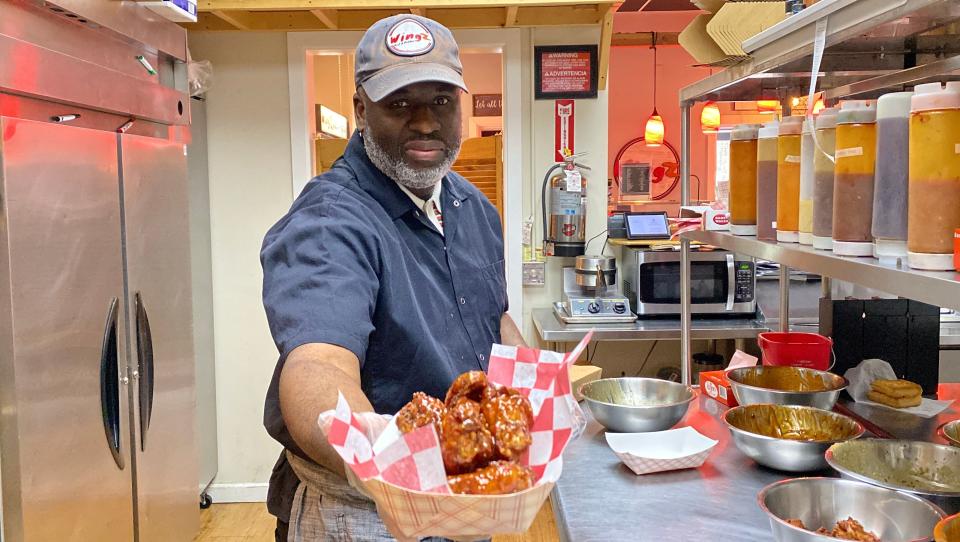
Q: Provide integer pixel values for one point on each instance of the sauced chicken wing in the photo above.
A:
(420, 411)
(496, 478)
(509, 416)
(470, 385)
(465, 441)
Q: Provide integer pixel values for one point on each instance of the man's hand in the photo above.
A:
(311, 377)
(509, 333)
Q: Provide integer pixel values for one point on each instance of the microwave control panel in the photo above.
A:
(745, 281)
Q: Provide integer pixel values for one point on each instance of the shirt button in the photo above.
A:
(481, 357)
(456, 203)
(463, 301)
(416, 213)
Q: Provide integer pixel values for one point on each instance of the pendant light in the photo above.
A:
(653, 132)
(767, 106)
(710, 118)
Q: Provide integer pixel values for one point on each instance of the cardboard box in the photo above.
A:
(580, 375)
(716, 385)
(713, 219)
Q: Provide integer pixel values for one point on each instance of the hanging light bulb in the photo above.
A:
(653, 131)
(710, 118)
(766, 106)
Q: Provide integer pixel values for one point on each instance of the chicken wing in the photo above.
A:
(509, 416)
(420, 411)
(465, 441)
(497, 478)
(470, 385)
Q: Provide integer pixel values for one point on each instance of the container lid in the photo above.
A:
(791, 125)
(744, 132)
(769, 129)
(857, 112)
(828, 118)
(895, 105)
(931, 96)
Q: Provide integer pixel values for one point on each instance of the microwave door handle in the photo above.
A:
(731, 282)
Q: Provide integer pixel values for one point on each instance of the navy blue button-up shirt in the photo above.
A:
(353, 263)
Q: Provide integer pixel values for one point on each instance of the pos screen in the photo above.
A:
(652, 225)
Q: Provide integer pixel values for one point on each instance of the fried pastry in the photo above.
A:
(420, 411)
(470, 385)
(465, 443)
(497, 478)
(895, 402)
(898, 389)
(509, 416)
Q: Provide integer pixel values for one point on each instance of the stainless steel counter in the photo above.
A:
(599, 499)
(553, 330)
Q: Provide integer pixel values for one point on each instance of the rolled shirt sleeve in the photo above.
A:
(321, 266)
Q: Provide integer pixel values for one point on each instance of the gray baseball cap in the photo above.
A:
(405, 49)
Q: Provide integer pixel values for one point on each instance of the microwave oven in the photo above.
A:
(722, 283)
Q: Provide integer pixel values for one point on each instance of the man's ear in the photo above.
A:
(359, 111)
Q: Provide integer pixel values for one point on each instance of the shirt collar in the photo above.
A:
(387, 191)
(420, 202)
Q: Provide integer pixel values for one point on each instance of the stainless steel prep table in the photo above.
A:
(599, 499)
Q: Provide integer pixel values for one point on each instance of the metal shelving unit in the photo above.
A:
(871, 46)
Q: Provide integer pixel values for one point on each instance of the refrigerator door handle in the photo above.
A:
(110, 382)
(144, 367)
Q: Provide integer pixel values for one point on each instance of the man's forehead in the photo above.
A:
(424, 88)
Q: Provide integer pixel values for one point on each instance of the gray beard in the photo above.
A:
(399, 170)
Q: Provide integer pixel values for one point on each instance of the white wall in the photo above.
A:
(250, 188)
(590, 136)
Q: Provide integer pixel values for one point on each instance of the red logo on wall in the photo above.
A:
(569, 229)
(721, 219)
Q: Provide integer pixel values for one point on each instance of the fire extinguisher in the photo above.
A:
(564, 229)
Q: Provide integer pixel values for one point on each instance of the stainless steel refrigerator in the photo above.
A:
(97, 381)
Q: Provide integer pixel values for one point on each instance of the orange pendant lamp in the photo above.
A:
(653, 131)
(767, 106)
(710, 118)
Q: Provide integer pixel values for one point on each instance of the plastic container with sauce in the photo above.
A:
(807, 148)
(743, 179)
(856, 157)
(788, 180)
(767, 181)
(890, 187)
(823, 172)
(934, 194)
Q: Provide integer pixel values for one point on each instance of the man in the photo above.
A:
(385, 277)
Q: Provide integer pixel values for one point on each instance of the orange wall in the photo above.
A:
(631, 93)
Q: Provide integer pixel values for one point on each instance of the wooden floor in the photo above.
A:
(250, 522)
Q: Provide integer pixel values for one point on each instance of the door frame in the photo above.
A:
(508, 42)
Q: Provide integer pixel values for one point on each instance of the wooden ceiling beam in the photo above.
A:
(421, 12)
(238, 19)
(511, 16)
(289, 5)
(329, 17)
(606, 32)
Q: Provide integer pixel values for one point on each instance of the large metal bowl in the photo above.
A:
(779, 385)
(929, 470)
(822, 502)
(948, 530)
(788, 437)
(637, 405)
(950, 432)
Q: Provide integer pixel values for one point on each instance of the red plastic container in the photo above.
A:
(808, 350)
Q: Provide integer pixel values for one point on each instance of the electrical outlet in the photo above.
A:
(534, 273)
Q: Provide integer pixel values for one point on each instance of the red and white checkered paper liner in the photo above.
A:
(643, 465)
(407, 479)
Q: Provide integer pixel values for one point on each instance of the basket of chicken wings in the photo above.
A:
(479, 462)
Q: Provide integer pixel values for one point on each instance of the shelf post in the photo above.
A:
(686, 359)
(784, 298)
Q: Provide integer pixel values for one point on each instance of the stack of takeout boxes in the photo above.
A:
(716, 37)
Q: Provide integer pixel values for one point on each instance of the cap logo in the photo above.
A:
(409, 38)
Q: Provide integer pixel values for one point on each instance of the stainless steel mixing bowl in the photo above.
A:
(950, 432)
(931, 471)
(788, 437)
(948, 530)
(786, 386)
(822, 502)
(637, 405)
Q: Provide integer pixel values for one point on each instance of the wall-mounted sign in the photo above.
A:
(331, 123)
(565, 71)
(487, 105)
